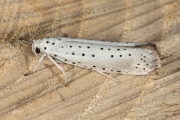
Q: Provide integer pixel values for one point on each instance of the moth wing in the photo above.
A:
(135, 60)
(125, 44)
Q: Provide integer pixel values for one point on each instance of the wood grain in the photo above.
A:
(90, 95)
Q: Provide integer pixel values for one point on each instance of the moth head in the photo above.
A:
(36, 46)
(37, 50)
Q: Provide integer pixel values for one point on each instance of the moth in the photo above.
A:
(100, 56)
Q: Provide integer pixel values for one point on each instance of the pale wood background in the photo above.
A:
(90, 95)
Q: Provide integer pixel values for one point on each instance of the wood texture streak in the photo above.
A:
(89, 95)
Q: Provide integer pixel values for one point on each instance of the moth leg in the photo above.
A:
(57, 65)
(39, 61)
(58, 61)
(106, 75)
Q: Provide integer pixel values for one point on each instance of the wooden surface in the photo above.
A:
(90, 95)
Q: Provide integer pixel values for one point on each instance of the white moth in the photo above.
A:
(101, 56)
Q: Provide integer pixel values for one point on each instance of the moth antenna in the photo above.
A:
(36, 36)
(42, 34)
(27, 42)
